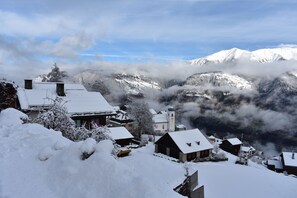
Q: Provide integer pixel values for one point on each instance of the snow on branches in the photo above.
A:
(58, 119)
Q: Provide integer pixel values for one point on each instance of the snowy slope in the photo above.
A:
(223, 179)
(25, 172)
(141, 174)
(261, 56)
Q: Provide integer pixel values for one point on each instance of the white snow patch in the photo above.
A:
(141, 174)
(45, 154)
(88, 146)
(12, 116)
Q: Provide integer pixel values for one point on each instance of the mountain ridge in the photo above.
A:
(267, 55)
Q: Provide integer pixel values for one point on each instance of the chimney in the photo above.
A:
(60, 89)
(293, 155)
(28, 84)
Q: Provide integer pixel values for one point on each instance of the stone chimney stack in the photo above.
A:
(60, 89)
(28, 84)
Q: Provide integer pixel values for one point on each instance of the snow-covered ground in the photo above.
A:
(37, 162)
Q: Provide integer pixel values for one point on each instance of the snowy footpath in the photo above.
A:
(39, 163)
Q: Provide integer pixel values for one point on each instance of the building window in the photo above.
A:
(204, 153)
(191, 156)
(77, 123)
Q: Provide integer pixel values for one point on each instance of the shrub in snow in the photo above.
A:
(219, 156)
(45, 154)
(97, 133)
(57, 118)
(88, 148)
(144, 138)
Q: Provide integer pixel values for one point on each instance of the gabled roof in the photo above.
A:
(288, 160)
(190, 141)
(247, 148)
(160, 118)
(118, 133)
(234, 141)
(276, 163)
(79, 101)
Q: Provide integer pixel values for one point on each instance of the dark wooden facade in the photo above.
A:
(167, 146)
(99, 120)
(166, 143)
(228, 147)
(128, 124)
(124, 142)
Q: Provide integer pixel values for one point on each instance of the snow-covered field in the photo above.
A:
(37, 162)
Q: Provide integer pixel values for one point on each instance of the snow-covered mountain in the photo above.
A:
(135, 84)
(132, 84)
(219, 79)
(235, 54)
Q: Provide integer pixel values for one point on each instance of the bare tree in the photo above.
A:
(139, 112)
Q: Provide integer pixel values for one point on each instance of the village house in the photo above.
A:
(184, 145)
(231, 145)
(289, 161)
(214, 140)
(84, 107)
(275, 164)
(121, 135)
(163, 121)
(248, 151)
(121, 119)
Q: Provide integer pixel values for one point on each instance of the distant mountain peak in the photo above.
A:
(262, 56)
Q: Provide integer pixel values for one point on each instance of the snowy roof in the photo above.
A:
(78, 100)
(247, 148)
(160, 118)
(190, 141)
(122, 115)
(276, 163)
(152, 111)
(234, 141)
(51, 86)
(118, 133)
(288, 160)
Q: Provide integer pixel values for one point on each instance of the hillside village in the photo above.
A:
(100, 120)
(89, 110)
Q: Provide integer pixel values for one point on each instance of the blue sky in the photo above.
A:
(35, 33)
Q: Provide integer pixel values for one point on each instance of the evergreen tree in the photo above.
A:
(55, 75)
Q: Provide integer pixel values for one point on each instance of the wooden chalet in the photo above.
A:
(289, 161)
(122, 119)
(184, 145)
(84, 107)
(121, 135)
(275, 164)
(231, 145)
